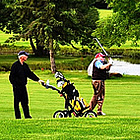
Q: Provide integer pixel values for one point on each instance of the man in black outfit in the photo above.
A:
(18, 78)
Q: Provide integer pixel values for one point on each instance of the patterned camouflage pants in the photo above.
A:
(99, 94)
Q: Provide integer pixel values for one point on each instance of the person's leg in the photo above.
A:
(100, 105)
(24, 103)
(16, 108)
(93, 102)
(96, 87)
(101, 99)
(16, 102)
(26, 110)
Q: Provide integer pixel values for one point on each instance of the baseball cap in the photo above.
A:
(99, 55)
(23, 53)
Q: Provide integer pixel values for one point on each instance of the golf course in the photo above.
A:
(63, 36)
(121, 107)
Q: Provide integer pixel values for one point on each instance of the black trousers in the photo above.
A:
(21, 95)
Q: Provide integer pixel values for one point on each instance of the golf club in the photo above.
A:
(101, 46)
(110, 59)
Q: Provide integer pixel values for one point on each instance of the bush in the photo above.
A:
(79, 63)
(40, 66)
(5, 66)
(69, 51)
(132, 52)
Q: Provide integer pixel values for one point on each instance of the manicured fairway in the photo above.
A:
(121, 106)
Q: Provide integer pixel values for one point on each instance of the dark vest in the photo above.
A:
(98, 74)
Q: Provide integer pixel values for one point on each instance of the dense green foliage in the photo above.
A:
(51, 22)
(121, 106)
(46, 21)
(123, 25)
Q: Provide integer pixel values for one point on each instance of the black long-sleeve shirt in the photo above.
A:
(19, 74)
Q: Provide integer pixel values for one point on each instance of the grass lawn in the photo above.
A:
(4, 37)
(121, 106)
(104, 13)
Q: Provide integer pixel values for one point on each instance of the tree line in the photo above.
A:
(48, 23)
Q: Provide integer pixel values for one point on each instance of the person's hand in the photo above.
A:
(40, 81)
(110, 61)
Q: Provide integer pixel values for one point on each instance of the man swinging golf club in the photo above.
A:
(98, 78)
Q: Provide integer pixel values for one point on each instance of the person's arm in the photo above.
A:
(106, 66)
(102, 66)
(12, 75)
(31, 75)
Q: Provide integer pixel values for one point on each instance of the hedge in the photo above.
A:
(80, 63)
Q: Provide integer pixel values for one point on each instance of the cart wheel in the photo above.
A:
(66, 113)
(90, 114)
(59, 114)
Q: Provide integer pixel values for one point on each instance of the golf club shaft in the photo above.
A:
(101, 46)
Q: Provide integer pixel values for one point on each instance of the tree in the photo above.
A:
(123, 25)
(60, 21)
(7, 22)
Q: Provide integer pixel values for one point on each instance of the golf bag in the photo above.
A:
(74, 104)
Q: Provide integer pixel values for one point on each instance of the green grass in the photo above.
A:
(72, 129)
(104, 13)
(121, 106)
(4, 37)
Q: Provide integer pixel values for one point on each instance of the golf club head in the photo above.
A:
(95, 38)
(59, 75)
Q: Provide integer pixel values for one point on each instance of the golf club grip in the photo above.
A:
(101, 47)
